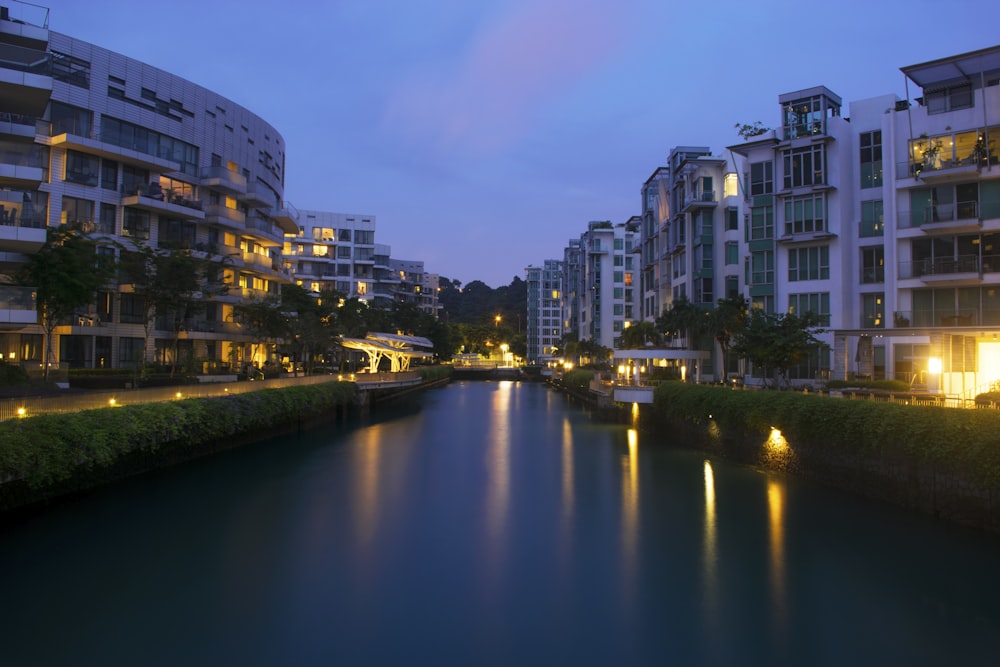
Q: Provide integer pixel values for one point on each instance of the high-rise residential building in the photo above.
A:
(654, 266)
(414, 285)
(544, 316)
(334, 251)
(604, 290)
(135, 156)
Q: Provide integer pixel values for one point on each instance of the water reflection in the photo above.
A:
(776, 525)
(498, 478)
(709, 555)
(630, 513)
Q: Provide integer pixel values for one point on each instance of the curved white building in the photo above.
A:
(133, 154)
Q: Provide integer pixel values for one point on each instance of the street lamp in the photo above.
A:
(497, 320)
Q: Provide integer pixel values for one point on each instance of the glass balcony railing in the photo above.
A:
(939, 266)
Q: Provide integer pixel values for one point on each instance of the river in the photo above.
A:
(489, 523)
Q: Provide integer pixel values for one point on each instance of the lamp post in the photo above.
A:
(497, 320)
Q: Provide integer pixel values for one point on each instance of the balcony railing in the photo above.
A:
(939, 266)
(224, 178)
(23, 59)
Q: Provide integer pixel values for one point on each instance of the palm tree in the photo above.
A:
(640, 335)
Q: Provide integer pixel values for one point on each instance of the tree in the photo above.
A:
(173, 286)
(66, 273)
(640, 335)
(773, 343)
(725, 321)
(684, 319)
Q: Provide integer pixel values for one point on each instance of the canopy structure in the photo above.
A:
(398, 348)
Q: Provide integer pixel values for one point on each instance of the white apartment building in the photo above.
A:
(605, 289)
(133, 155)
(334, 251)
(545, 322)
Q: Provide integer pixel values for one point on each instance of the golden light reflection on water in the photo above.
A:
(630, 510)
(776, 524)
(709, 555)
(567, 471)
(498, 478)
(366, 482)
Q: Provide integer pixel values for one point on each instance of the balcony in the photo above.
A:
(925, 317)
(964, 269)
(17, 126)
(18, 307)
(258, 196)
(85, 143)
(162, 202)
(16, 235)
(951, 218)
(222, 178)
(287, 217)
(700, 199)
(262, 228)
(22, 164)
(25, 78)
(225, 216)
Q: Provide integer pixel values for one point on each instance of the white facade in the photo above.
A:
(334, 251)
(135, 156)
(545, 299)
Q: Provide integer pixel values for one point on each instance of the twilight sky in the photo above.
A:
(484, 134)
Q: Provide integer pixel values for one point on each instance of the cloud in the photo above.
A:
(483, 100)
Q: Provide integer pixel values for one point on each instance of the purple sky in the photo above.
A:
(484, 134)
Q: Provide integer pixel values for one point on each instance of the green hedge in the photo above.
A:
(432, 373)
(48, 449)
(578, 378)
(963, 441)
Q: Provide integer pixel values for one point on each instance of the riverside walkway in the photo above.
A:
(12, 408)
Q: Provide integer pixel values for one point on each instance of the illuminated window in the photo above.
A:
(731, 185)
(362, 288)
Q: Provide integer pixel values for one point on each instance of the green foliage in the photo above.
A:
(949, 439)
(432, 373)
(50, 448)
(641, 335)
(774, 342)
(11, 374)
(578, 378)
(66, 273)
(749, 130)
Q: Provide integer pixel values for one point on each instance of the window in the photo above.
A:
(343, 252)
(872, 223)
(817, 303)
(732, 253)
(732, 287)
(364, 237)
(804, 215)
(871, 159)
(872, 311)
(137, 138)
(809, 263)
(803, 166)
(136, 224)
(762, 268)
(109, 174)
(129, 351)
(761, 178)
(761, 223)
(70, 120)
(619, 276)
(873, 265)
(948, 99)
(732, 219)
(107, 223)
(77, 212)
(704, 290)
(82, 168)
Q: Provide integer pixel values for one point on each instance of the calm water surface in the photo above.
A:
(489, 524)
